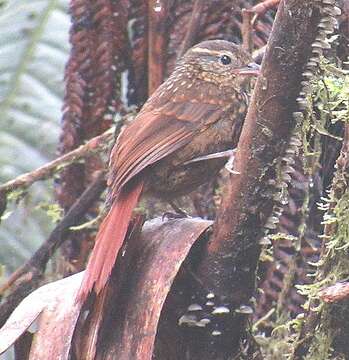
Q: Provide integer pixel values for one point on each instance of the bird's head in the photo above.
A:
(221, 62)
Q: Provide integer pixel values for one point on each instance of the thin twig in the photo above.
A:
(95, 145)
(264, 6)
(247, 30)
(73, 216)
(193, 27)
(260, 9)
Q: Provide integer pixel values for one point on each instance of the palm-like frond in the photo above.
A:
(33, 51)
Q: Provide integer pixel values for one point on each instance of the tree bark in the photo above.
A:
(227, 269)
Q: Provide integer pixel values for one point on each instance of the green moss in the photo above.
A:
(331, 100)
(328, 104)
(53, 211)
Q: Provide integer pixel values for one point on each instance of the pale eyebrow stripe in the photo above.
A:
(211, 52)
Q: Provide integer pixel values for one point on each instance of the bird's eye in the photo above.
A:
(225, 59)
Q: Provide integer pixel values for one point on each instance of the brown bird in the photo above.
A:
(178, 141)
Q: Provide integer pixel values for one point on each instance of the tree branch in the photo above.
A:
(193, 27)
(228, 268)
(33, 269)
(260, 9)
(95, 145)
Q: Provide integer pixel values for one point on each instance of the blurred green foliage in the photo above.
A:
(34, 47)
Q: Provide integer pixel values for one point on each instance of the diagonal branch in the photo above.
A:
(34, 267)
(95, 145)
(260, 9)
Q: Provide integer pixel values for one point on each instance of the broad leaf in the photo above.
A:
(34, 47)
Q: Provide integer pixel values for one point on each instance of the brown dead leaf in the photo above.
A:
(159, 253)
(54, 307)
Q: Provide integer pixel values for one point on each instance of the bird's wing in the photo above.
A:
(156, 133)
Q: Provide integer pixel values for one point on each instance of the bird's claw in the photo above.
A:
(179, 213)
(172, 216)
(229, 166)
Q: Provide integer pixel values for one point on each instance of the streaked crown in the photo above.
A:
(219, 61)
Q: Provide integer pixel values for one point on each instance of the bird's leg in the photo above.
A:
(223, 154)
(179, 213)
(218, 155)
(178, 210)
(229, 166)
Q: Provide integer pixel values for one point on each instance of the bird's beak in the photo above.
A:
(252, 69)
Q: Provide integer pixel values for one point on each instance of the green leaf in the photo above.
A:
(34, 48)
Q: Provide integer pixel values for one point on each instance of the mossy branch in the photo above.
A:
(95, 145)
(24, 181)
(30, 273)
(332, 266)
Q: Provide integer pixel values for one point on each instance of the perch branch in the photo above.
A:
(265, 135)
(229, 266)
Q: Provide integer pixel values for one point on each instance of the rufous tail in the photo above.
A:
(109, 240)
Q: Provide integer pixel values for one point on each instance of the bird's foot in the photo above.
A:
(178, 214)
(229, 166)
(168, 215)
